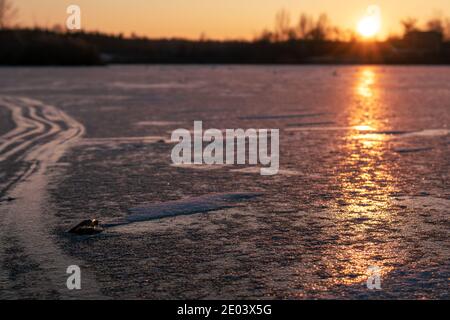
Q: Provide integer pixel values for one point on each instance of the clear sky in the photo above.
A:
(223, 19)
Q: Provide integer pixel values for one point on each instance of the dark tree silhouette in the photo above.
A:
(436, 24)
(321, 30)
(305, 24)
(310, 40)
(409, 24)
(282, 25)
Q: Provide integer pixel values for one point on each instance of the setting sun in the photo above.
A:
(370, 25)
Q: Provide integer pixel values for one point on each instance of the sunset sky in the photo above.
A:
(222, 19)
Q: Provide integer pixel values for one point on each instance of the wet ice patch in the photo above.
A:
(417, 147)
(412, 150)
(188, 206)
(201, 204)
(206, 224)
(391, 132)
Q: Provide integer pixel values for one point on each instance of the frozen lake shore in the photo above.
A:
(364, 181)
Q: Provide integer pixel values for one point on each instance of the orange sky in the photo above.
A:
(223, 19)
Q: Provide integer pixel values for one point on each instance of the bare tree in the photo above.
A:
(336, 34)
(436, 24)
(282, 25)
(57, 28)
(447, 29)
(305, 24)
(439, 23)
(348, 35)
(307, 28)
(265, 36)
(7, 13)
(409, 24)
(321, 30)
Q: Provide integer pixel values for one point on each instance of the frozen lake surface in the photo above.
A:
(363, 182)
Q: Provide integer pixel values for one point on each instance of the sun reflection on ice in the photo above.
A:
(366, 83)
(362, 212)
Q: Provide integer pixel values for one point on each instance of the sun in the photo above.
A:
(370, 25)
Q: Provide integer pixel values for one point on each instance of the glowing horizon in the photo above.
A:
(231, 19)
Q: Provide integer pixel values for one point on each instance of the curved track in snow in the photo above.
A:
(32, 263)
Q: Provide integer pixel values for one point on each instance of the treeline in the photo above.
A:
(438, 23)
(309, 27)
(309, 40)
(42, 47)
